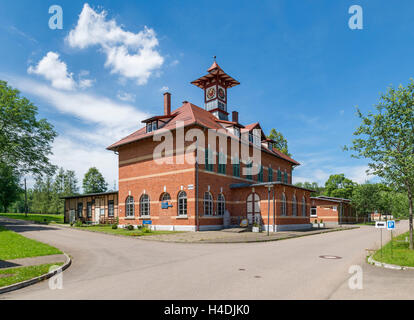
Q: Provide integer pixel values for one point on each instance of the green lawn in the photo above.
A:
(15, 275)
(43, 218)
(14, 246)
(124, 232)
(399, 255)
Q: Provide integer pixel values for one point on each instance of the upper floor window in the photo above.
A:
(222, 163)
(209, 159)
(270, 172)
(279, 175)
(236, 131)
(236, 168)
(286, 179)
(249, 170)
(152, 126)
(260, 175)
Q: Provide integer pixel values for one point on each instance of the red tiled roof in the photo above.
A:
(190, 114)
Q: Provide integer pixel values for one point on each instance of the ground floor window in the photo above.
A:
(208, 204)
(144, 205)
(165, 196)
(221, 204)
(110, 208)
(283, 205)
(182, 203)
(303, 207)
(313, 212)
(294, 206)
(89, 209)
(129, 207)
(80, 209)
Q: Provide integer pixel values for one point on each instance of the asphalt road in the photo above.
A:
(110, 267)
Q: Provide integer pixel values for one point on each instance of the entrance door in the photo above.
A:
(97, 215)
(253, 207)
(71, 216)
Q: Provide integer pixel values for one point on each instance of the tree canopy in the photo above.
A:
(386, 138)
(25, 141)
(339, 186)
(281, 143)
(94, 182)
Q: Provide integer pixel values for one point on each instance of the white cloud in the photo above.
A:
(125, 96)
(131, 55)
(54, 70)
(164, 89)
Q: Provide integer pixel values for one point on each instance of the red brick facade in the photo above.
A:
(332, 210)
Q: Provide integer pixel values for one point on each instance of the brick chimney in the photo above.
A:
(235, 116)
(167, 103)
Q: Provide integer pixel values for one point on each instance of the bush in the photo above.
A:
(78, 223)
(130, 227)
(145, 230)
(114, 226)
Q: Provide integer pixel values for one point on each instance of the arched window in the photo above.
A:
(129, 207)
(303, 207)
(208, 204)
(294, 206)
(182, 203)
(165, 197)
(144, 205)
(283, 205)
(221, 204)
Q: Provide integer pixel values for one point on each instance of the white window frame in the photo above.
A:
(221, 204)
(208, 204)
(144, 206)
(129, 207)
(182, 203)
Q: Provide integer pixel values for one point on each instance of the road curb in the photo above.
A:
(387, 265)
(30, 282)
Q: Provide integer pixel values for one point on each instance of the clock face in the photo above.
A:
(221, 93)
(211, 93)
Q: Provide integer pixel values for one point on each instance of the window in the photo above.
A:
(253, 203)
(236, 131)
(144, 205)
(313, 212)
(249, 170)
(303, 207)
(89, 209)
(208, 157)
(182, 203)
(208, 204)
(80, 209)
(279, 175)
(250, 137)
(110, 208)
(152, 126)
(165, 196)
(285, 177)
(221, 204)
(236, 168)
(294, 206)
(260, 175)
(283, 205)
(129, 207)
(270, 173)
(222, 163)
(257, 138)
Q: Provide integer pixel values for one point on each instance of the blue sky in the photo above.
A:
(302, 69)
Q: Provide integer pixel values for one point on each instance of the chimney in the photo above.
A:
(235, 116)
(167, 103)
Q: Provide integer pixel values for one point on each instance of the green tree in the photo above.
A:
(339, 186)
(386, 138)
(71, 187)
(318, 190)
(281, 143)
(25, 142)
(366, 199)
(94, 182)
(9, 186)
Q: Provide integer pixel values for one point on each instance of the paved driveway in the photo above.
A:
(109, 267)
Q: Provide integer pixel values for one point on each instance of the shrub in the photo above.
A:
(78, 223)
(114, 226)
(130, 227)
(145, 230)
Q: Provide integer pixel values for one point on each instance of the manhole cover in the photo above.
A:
(242, 269)
(257, 277)
(330, 257)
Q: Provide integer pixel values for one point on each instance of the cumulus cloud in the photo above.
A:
(131, 55)
(54, 70)
(125, 96)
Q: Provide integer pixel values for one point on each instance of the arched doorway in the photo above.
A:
(253, 207)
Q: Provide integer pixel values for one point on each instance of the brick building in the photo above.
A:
(332, 210)
(94, 207)
(201, 183)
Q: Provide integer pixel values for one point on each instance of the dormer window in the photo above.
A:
(152, 126)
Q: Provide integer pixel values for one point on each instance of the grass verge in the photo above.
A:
(15, 275)
(397, 252)
(15, 246)
(124, 232)
(41, 218)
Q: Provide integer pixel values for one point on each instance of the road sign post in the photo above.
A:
(391, 227)
(381, 225)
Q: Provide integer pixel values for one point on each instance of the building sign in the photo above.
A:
(165, 205)
(380, 224)
(147, 222)
(190, 187)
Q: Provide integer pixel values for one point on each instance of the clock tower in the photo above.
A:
(215, 85)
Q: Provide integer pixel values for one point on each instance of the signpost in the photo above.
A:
(391, 227)
(380, 225)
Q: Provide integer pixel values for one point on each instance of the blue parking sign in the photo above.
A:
(390, 225)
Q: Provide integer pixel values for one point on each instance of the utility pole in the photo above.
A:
(196, 197)
(25, 198)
